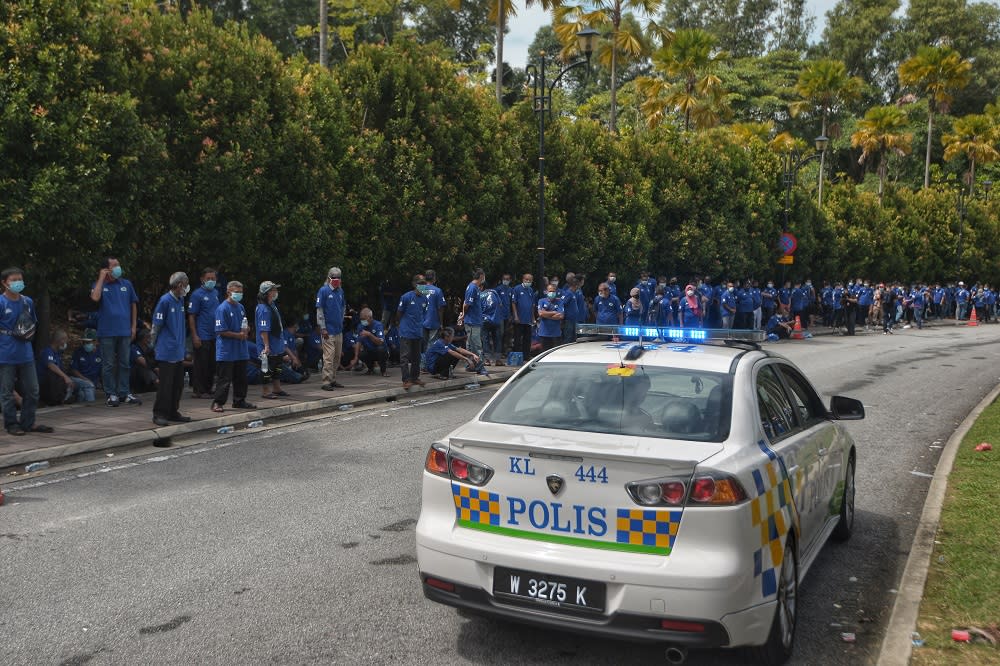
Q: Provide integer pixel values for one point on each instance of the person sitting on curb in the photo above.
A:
(442, 356)
(56, 386)
(371, 348)
(86, 361)
(143, 375)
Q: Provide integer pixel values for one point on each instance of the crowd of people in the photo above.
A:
(209, 339)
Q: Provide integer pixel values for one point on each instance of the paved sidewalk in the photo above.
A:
(94, 426)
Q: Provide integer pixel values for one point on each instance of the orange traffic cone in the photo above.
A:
(972, 318)
(797, 331)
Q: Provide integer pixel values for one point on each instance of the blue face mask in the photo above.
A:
(88, 347)
(237, 296)
(209, 284)
(364, 323)
(116, 272)
(17, 286)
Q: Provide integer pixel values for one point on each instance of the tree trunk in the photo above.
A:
(499, 69)
(324, 32)
(613, 121)
(883, 163)
(930, 129)
(43, 308)
(822, 163)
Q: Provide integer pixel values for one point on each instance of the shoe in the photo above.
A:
(112, 401)
(160, 421)
(132, 400)
(282, 393)
(41, 428)
(336, 385)
(243, 404)
(419, 382)
(327, 387)
(217, 408)
(179, 418)
(15, 431)
(407, 386)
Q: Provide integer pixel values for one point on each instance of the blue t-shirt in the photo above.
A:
(202, 305)
(87, 364)
(505, 292)
(169, 317)
(435, 301)
(12, 350)
(769, 296)
(115, 308)
(773, 324)
(269, 321)
(48, 355)
(474, 312)
(436, 351)
(550, 328)
(800, 298)
(524, 303)
(608, 309)
(729, 302)
(570, 308)
(229, 317)
(331, 302)
(491, 305)
(744, 300)
(412, 308)
(634, 313)
(375, 329)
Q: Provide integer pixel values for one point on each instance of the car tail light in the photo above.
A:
(681, 625)
(441, 462)
(716, 490)
(658, 492)
(706, 489)
(440, 584)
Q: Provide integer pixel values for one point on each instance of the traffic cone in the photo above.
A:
(972, 318)
(797, 331)
(1, 497)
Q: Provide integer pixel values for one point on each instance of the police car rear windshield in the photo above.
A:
(643, 401)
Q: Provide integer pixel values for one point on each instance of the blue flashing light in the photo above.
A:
(671, 334)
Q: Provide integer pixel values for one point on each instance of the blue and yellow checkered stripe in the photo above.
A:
(772, 513)
(646, 527)
(476, 506)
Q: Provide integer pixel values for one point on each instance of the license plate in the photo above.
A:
(557, 592)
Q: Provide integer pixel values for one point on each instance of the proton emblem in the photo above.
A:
(554, 482)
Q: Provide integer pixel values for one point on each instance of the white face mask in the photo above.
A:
(690, 292)
(187, 289)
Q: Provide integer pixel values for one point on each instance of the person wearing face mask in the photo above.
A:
(506, 292)
(270, 342)
(18, 319)
(472, 313)
(55, 386)
(231, 351)
(522, 308)
(330, 307)
(409, 317)
(769, 301)
(168, 337)
(633, 309)
(612, 284)
(434, 315)
(117, 301)
(86, 360)
(729, 304)
(607, 307)
(691, 312)
(550, 316)
(201, 323)
(371, 348)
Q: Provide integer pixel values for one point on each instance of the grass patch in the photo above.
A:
(963, 583)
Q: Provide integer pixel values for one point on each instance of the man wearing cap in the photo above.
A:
(86, 360)
(168, 338)
(201, 322)
(410, 316)
(472, 313)
(231, 354)
(330, 306)
(962, 301)
(116, 329)
(269, 340)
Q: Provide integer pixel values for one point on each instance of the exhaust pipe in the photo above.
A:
(676, 654)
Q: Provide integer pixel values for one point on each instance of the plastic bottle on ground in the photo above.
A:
(225, 430)
(344, 408)
(36, 466)
(255, 424)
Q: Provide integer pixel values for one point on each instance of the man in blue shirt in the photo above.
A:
(433, 318)
(269, 340)
(729, 303)
(769, 301)
(86, 361)
(571, 310)
(57, 386)
(443, 355)
(231, 352)
(16, 359)
(800, 304)
(607, 307)
(523, 313)
(837, 302)
(472, 313)
(168, 338)
(201, 322)
(962, 300)
(492, 307)
(744, 306)
(506, 294)
(115, 328)
(371, 347)
(550, 316)
(410, 315)
(330, 306)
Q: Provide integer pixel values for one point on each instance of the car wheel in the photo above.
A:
(780, 639)
(842, 532)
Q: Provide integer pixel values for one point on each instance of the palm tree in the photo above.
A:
(825, 87)
(623, 41)
(938, 70)
(692, 60)
(881, 132)
(974, 136)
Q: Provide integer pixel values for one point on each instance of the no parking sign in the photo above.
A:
(788, 243)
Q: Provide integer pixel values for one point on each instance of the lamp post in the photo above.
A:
(794, 161)
(961, 226)
(542, 100)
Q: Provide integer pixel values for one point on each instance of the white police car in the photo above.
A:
(664, 490)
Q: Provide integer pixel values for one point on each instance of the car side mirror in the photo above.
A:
(846, 409)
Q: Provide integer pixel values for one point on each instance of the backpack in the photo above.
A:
(24, 327)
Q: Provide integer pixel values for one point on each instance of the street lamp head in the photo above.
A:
(586, 39)
(987, 185)
(822, 141)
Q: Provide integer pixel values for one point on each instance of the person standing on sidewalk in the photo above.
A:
(201, 322)
(434, 316)
(472, 314)
(522, 309)
(410, 316)
(330, 305)
(269, 340)
(17, 362)
(168, 338)
(231, 353)
(117, 301)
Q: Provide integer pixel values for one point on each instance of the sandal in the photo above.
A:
(217, 408)
(269, 396)
(282, 394)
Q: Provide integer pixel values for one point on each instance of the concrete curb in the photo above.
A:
(238, 418)
(897, 646)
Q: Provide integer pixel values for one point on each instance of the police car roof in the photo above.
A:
(715, 357)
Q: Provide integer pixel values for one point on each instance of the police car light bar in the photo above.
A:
(672, 334)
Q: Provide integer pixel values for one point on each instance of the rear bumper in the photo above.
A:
(621, 626)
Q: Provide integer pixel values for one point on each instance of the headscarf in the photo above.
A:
(692, 300)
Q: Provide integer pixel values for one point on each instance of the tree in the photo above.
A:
(623, 41)
(691, 61)
(974, 136)
(855, 33)
(825, 87)
(938, 71)
(463, 30)
(882, 133)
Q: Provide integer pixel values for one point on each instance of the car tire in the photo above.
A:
(781, 637)
(842, 532)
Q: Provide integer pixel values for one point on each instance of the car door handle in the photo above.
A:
(822, 452)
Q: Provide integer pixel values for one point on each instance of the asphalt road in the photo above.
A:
(295, 544)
